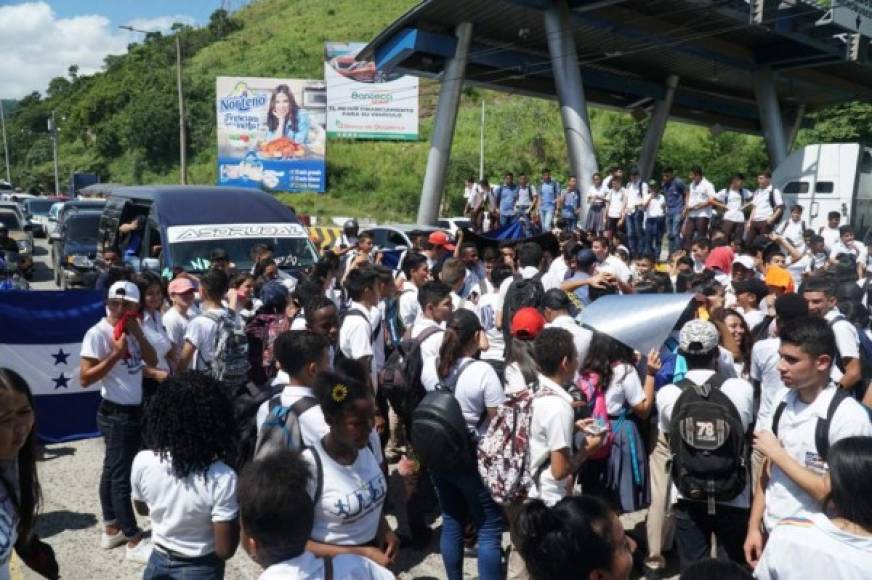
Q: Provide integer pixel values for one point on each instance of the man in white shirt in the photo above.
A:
(434, 298)
(530, 263)
(820, 296)
(768, 208)
(794, 228)
(798, 483)
(555, 307)
(358, 329)
(176, 319)
(696, 520)
(416, 273)
(526, 197)
(610, 263)
(698, 207)
(749, 295)
(848, 245)
(198, 348)
(637, 193)
(830, 232)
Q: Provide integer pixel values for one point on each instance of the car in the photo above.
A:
(76, 248)
(70, 206)
(37, 213)
(398, 236)
(453, 225)
(14, 206)
(20, 232)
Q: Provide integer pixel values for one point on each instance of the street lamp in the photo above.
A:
(183, 156)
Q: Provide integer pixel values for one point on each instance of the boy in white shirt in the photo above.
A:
(176, 319)
(434, 299)
(830, 232)
(197, 350)
(768, 208)
(359, 327)
(698, 207)
(848, 245)
(416, 273)
(273, 489)
(812, 416)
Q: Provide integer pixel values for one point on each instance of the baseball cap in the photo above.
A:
(123, 290)
(218, 254)
(527, 323)
(698, 337)
(181, 285)
(779, 278)
(440, 238)
(746, 262)
(754, 286)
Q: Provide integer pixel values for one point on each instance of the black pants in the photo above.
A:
(694, 228)
(120, 426)
(694, 527)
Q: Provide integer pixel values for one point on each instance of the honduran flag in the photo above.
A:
(41, 335)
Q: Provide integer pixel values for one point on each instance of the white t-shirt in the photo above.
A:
(617, 202)
(176, 325)
(201, 334)
(753, 317)
(355, 334)
(348, 511)
(624, 387)
(409, 309)
(527, 272)
(813, 547)
(857, 249)
(740, 392)
(477, 388)
(597, 195)
(430, 346)
(700, 193)
(637, 191)
(157, 337)
(182, 510)
(796, 430)
(764, 368)
(734, 200)
(487, 315)
(793, 231)
(123, 383)
(581, 337)
(847, 339)
(551, 429)
(555, 275)
(615, 266)
(307, 566)
(763, 210)
(656, 207)
(831, 236)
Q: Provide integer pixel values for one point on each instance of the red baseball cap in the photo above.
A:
(440, 238)
(527, 323)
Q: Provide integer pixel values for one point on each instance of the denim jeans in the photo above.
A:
(464, 498)
(162, 566)
(633, 225)
(673, 230)
(546, 218)
(654, 236)
(120, 426)
(571, 222)
(507, 219)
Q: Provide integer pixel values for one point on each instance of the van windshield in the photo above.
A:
(289, 252)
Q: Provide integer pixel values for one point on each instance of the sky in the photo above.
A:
(40, 39)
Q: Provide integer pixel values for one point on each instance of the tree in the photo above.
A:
(73, 72)
(849, 122)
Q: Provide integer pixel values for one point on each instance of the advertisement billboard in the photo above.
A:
(271, 133)
(365, 103)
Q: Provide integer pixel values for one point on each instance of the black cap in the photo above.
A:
(754, 286)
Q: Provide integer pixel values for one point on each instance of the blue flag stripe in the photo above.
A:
(48, 317)
(67, 417)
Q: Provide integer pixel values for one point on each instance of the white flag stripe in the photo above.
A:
(49, 369)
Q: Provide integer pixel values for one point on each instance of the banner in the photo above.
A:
(365, 103)
(271, 133)
(40, 339)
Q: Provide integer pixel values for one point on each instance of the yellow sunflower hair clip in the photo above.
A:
(339, 392)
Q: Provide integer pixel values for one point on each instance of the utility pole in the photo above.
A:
(53, 130)
(5, 144)
(183, 148)
(481, 147)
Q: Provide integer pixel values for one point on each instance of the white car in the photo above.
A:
(453, 225)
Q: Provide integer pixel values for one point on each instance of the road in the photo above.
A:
(70, 517)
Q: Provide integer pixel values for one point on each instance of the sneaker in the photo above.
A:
(141, 552)
(109, 541)
(652, 573)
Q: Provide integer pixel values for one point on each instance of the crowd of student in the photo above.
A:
(260, 410)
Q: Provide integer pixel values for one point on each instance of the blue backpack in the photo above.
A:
(673, 366)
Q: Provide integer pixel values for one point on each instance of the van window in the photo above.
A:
(866, 164)
(795, 187)
(823, 187)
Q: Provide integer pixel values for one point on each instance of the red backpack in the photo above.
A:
(588, 384)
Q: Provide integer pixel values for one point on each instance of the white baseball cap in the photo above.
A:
(744, 260)
(124, 290)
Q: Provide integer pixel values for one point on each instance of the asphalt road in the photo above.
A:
(70, 516)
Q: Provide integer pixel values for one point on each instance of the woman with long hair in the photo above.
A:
(732, 323)
(182, 481)
(521, 369)
(838, 542)
(462, 496)
(285, 117)
(578, 539)
(151, 303)
(19, 484)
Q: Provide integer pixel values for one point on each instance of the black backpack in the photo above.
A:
(822, 429)
(440, 436)
(865, 349)
(401, 375)
(246, 401)
(707, 443)
(522, 292)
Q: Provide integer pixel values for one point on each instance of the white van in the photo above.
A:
(829, 177)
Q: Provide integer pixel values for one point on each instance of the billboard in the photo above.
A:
(365, 103)
(271, 133)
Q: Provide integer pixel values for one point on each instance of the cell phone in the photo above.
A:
(597, 428)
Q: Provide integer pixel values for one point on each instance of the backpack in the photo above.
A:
(401, 375)
(587, 383)
(245, 402)
(504, 451)
(522, 292)
(440, 436)
(374, 333)
(282, 429)
(822, 429)
(673, 366)
(865, 349)
(707, 444)
(262, 331)
(230, 364)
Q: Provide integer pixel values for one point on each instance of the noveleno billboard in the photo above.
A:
(365, 103)
(271, 133)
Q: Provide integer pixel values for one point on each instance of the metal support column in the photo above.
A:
(770, 115)
(656, 128)
(443, 127)
(791, 131)
(570, 93)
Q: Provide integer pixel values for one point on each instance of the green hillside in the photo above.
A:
(122, 122)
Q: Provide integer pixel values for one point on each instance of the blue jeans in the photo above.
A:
(546, 218)
(633, 224)
(120, 426)
(571, 222)
(654, 236)
(464, 498)
(162, 566)
(673, 230)
(507, 219)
